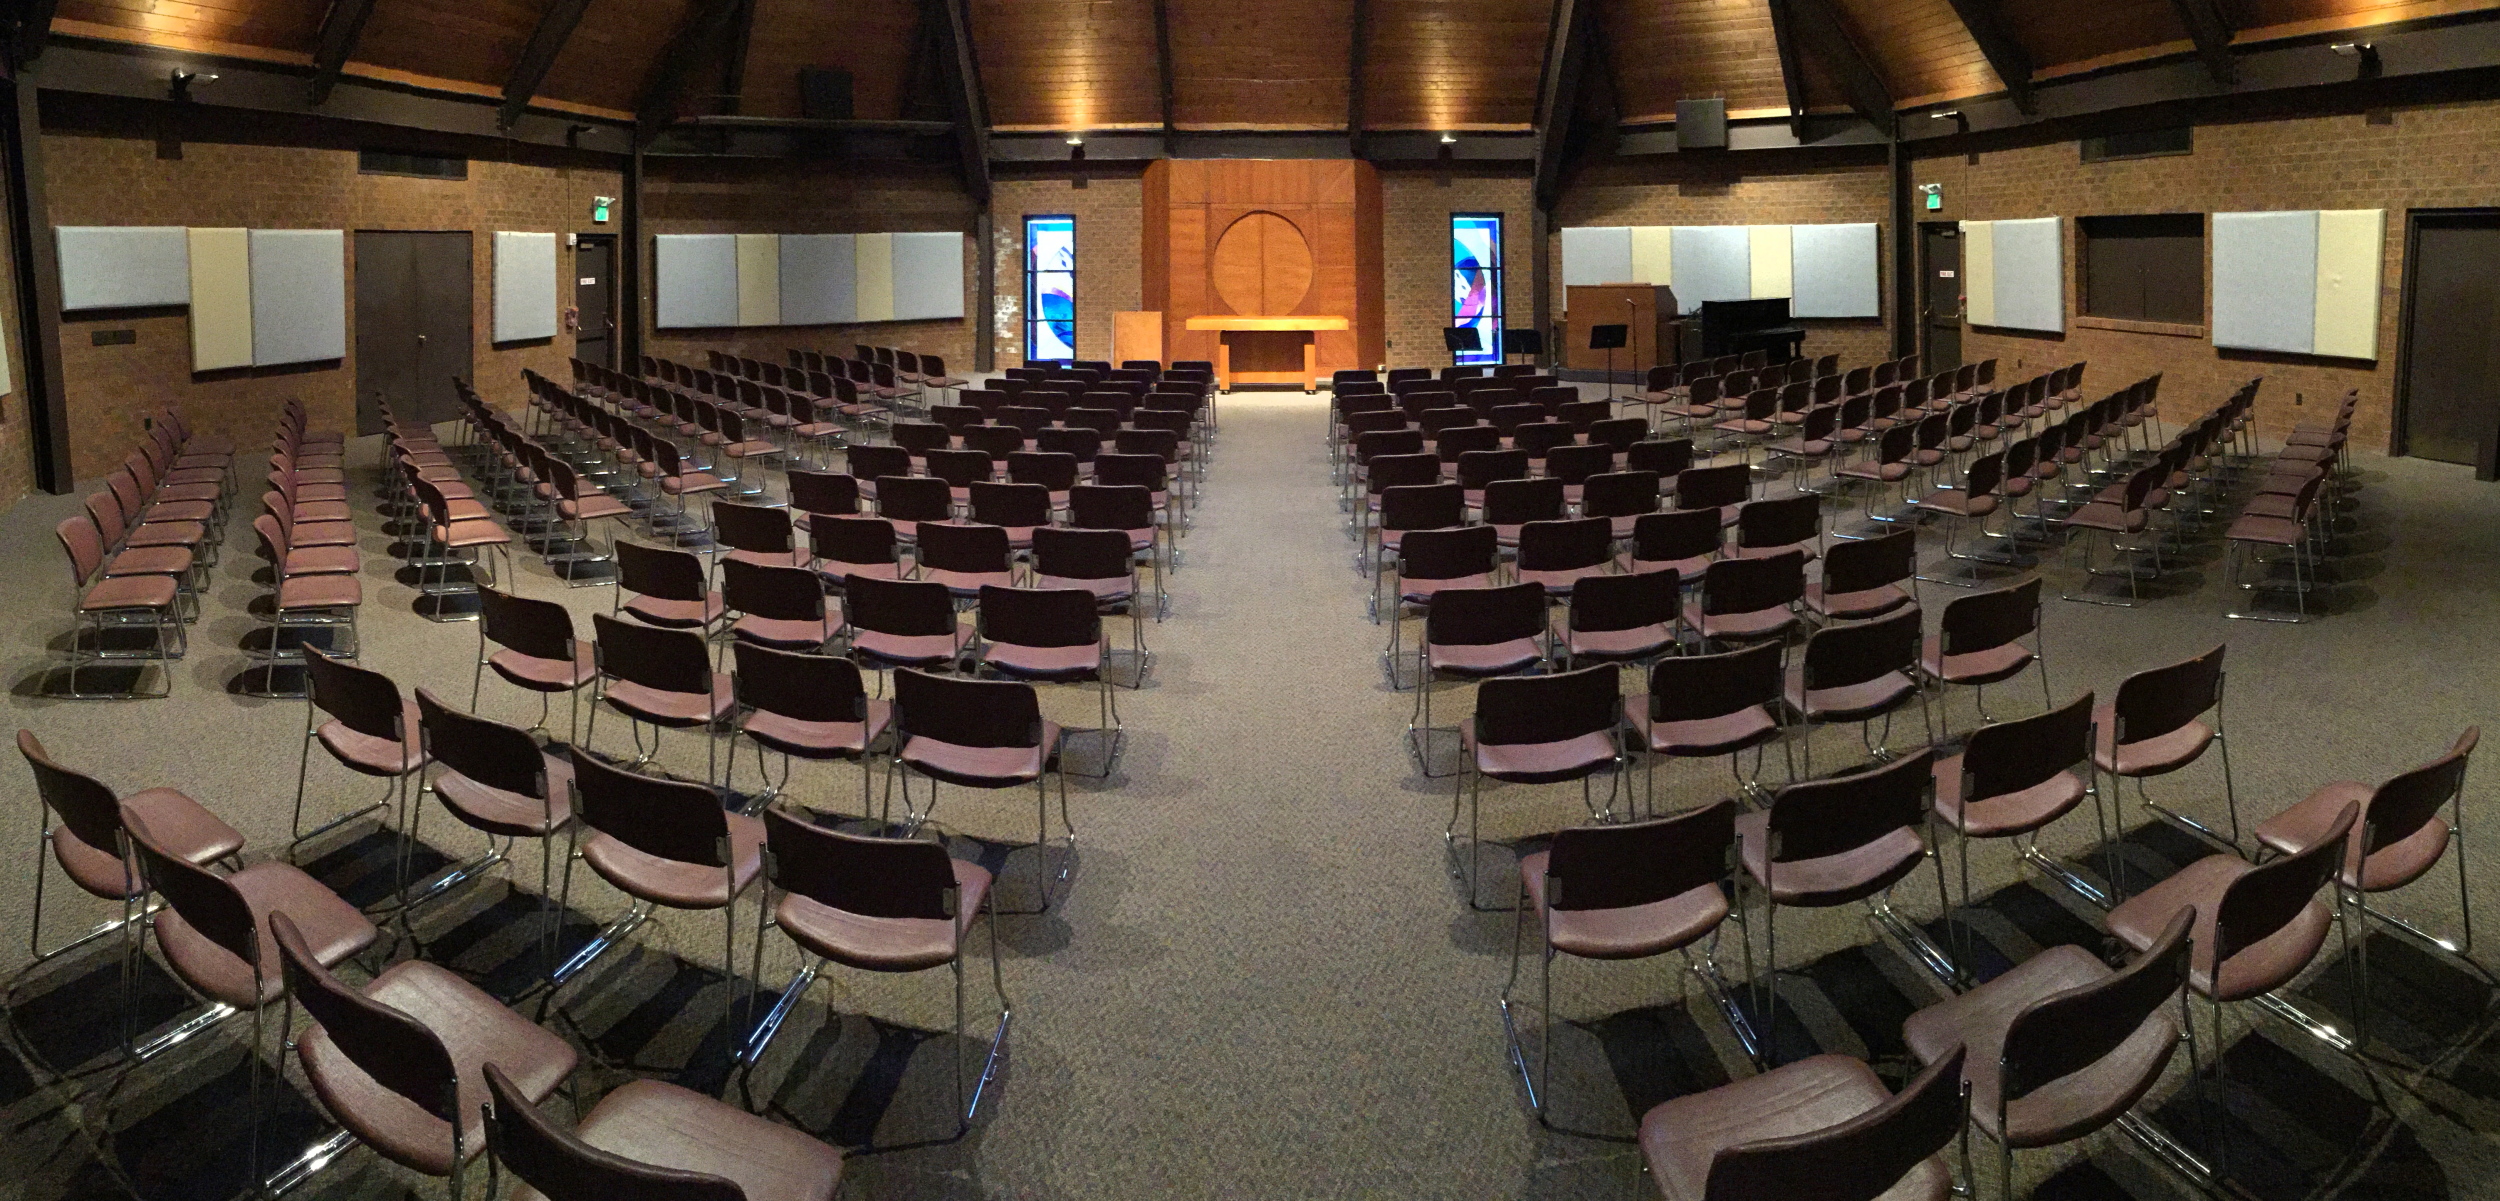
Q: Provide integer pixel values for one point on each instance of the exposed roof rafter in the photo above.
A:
(1998, 45)
(1566, 60)
(1356, 57)
(962, 78)
(2211, 27)
(1792, 69)
(1163, 66)
(340, 29)
(1819, 25)
(657, 105)
(555, 27)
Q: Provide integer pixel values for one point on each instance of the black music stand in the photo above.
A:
(1460, 339)
(1530, 342)
(1609, 338)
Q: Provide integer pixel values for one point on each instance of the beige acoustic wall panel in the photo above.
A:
(759, 279)
(221, 299)
(874, 265)
(1979, 272)
(1653, 255)
(1771, 253)
(2351, 250)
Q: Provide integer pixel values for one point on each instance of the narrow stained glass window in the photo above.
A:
(1050, 287)
(1476, 282)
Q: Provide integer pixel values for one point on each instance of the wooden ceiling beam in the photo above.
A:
(1566, 60)
(964, 102)
(2211, 27)
(657, 105)
(33, 29)
(1356, 57)
(340, 29)
(555, 28)
(1792, 71)
(1820, 27)
(733, 68)
(2006, 56)
(1163, 66)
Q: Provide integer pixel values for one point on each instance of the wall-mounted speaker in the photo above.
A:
(1701, 124)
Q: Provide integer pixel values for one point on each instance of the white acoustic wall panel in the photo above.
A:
(759, 279)
(299, 296)
(221, 298)
(1833, 271)
(2030, 274)
(1712, 262)
(123, 266)
(1768, 248)
(2351, 253)
(697, 286)
(1597, 255)
(819, 280)
(525, 286)
(2265, 281)
(928, 276)
(1979, 272)
(1653, 255)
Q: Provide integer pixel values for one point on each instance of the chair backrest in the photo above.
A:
(83, 545)
(1529, 710)
(1619, 494)
(1111, 507)
(2007, 757)
(877, 462)
(207, 901)
(1073, 554)
(85, 805)
(1040, 616)
(1625, 602)
(917, 498)
(653, 571)
(362, 699)
(1142, 471)
(1482, 616)
(667, 819)
(852, 540)
(1785, 521)
(966, 548)
(906, 608)
(1565, 545)
(1423, 506)
(2270, 895)
(774, 593)
(1675, 535)
(908, 878)
(799, 686)
(1640, 863)
(1752, 585)
(1870, 563)
(1986, 620)
(2156, 701)
(1856, 1160)
(2066, 1032)
(1574, 463)
(2406, 803)
(1517, 502)
(666, 660)
(823, 492)
(1814, 818)
(1713, 487)
(966, 712)
(1449, 553)
(396, 1050)
(1855, 652)
(751, 527)
(482, 749)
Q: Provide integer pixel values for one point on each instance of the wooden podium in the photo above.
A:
(1136, 336)
(1648, 309)
(1266, 350)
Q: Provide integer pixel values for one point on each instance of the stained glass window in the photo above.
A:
(1050, 287)
(1476, 281)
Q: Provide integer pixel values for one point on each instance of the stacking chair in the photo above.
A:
(1722, 489)
(1432, 560)
(780, 607)
(910, 502)
(495, 779)
(1622, 497)
(1821, 1127)
(1683, 542)
(106, 602)
(1049, 635)
(1751, 600)
(753, 534)
(1621, 618)
(372, 731)
(1017, 508)
(1701, 706)
(813, 492)
(1859, 671)
(1765, 528)
(986, 734)
(1619, 893)
(1099, 562)
(1823, 843)
(806, 707)
(2156, 725)
(1538, 730)
(1474, 633)
(1130, 510)
(903, 623)
(661, 843)
(1864, 578)
(662, 678)
(534, 648)
(1979, 641)
(2014, 779)
(668, 587)
(87, 841)
(965, 558)
(842, 546)
(1556, 555)
(2061, 1045)
(884, 905)
(1510, 505)
(2402, 837)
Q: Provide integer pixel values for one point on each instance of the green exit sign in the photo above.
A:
(599, 208)
(1935, 201)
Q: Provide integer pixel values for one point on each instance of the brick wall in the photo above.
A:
(1799, 189)
(1415, 236)
(1109, 212)
(2431, 156)
(101, 171)
(17, 451)
(692, 196)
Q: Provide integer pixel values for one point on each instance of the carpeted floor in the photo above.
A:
(1262, 980)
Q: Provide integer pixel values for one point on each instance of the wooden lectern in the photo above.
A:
(1136, 336)
(1648, 309)
(1266, 350)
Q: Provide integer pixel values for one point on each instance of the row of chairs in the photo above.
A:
(731, 433)
(2291, 510)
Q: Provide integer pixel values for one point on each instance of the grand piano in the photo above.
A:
(1738, 326)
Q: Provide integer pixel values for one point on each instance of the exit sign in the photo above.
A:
(1935, 200)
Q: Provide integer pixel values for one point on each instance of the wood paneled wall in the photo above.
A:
(1334, 205)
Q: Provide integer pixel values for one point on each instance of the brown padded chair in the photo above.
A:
(1864, 578)
(660, 677)
(668, 588)
(807, 707)
(372, 731)
(651, 1141)
(1621, 618)
(1822, 1127)
(1751, 600)
(1558, 554)
(1858, 671)
(1048, 635)
(1432, 560)
(1978, 641)
(903, 623)
(534, 648)
(986, 734)
(2061, 1045)
(1684, 541)
(2012, 779)
(781, 607)
(1823, 843)
(1475, 634)
(2156, 725)
(400, 1062)
(496, 780)
(887, 905)
(88, 839)
(1617, 893)
(1699, 706)
(1545, 729)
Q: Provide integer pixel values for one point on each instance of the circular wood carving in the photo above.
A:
(1261, 266)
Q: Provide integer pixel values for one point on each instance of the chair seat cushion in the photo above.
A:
(676, 614)
(475, 1028)
(2268, 964)
(885, 944)
(1483, 659)
(2012, 813)
(819, 739)
(150, 560)
(376, 756)
(1081, 661)
(2068, 1107)
(323, 560)
(1629, 932)
(512, 814)
(1985, 666)
(331, 927)
(911, 649)
(1539, 762)
(1750, 726)
(2394, 866)
(1849, 702)
(1638, 642)
(679, 709)
(982, 766)
(790, 634)
(1854, 606)
(547, 675)
(1827, 879)
(320, 592)
(675, 883)
(667, 1126)
(2149, 756)
(182, 826)
(1680, 1138)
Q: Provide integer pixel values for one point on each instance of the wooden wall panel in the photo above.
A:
(611, 53)
(2261, 19)
(1370, 275)
(1662, 53)
(474, 41)
(1453, 64)
(283, 25)
(2061, 33)
(1276, 64)
(1154, 249)
(1921, 47)
(1068, 64)
(1335, 207)
(869, 38)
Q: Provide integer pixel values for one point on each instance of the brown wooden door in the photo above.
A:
(2451, 398)
(413, 323)
(594, 289)
(1940, 296)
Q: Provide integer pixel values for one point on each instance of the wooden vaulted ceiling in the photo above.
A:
(1080, 65)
